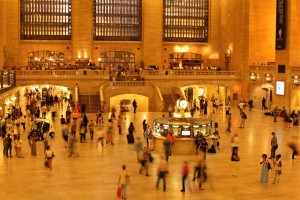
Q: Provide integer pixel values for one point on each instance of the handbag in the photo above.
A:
(119, 192)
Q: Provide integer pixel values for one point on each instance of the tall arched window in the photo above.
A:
(185, 21)
(45, 19)
(118, 20)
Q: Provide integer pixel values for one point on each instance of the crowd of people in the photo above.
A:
(75, 124)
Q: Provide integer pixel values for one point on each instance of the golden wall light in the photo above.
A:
(268, 77)
(253, 76)
(296, 80)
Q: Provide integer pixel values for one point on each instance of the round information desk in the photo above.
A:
(183, 131)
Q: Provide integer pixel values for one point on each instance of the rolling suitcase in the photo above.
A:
(130, 139)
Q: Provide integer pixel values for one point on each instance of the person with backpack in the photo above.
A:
(244, 117)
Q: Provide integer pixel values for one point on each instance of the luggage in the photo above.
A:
(216, 124)
(268, 113)
(130, 139)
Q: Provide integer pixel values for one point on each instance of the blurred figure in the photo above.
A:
(235, 142)
(91, 129)
(264, 177)
(120, 119)
(82, 133)
(162, 172)
(185, 170)
(124, 179)
(138, 147)
(49, 155)
(167, 147)
(19, 147)
(72, 141)
(234, 162)
(144, 124)
(109, 133)
(294, 146)
(149, 137)
(277, 165)
(170, 110)
(65, 134)
(145, 157)
(229, 119)
(198, 141)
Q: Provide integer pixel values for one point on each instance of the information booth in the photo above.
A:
(183, 129)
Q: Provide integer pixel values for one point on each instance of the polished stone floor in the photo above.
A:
(94, 174)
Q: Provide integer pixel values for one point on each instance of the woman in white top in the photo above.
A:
(123, 181)
(277, 168)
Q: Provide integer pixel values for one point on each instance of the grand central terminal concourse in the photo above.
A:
(149, 99)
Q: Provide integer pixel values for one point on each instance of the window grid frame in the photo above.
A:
(185, 22)
(115, 28)
(46, 19)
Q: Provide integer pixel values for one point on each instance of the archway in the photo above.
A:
(127, 99)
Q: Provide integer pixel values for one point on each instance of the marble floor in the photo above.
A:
(94, 174)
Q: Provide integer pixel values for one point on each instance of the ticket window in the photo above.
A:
(165, 130)
(176, 130)
(196, 128)
(186, 132)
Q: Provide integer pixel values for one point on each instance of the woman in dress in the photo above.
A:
(264, 169)
(123, 181)
(48, 157)
(277, 168)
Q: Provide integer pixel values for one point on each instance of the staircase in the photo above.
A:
(92, 103)
(170, 99)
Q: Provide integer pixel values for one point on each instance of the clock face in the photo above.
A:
(183, 103)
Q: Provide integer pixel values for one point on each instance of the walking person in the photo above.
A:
(19, 147)
(234, 162)
(124, 179)
(278, 168)
(243, 117)
(91, 129)
(265, 167)
(235, 142)
(185, 170)
(275, 113)
(203, 147)
(167, 148)
(120, 124)
(198, 141)
(274, 145)
(144, 160)
(7, 146)
(263, 104)
(65, 134)
(134, 105)
(162, 172)
(49, 155)
(72, 141)
(82, 133)
(229, 119)
(32, 144)
(138, 148)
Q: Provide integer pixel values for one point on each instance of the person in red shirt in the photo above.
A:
(185, 170)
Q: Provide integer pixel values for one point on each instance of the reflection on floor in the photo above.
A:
(94, 174)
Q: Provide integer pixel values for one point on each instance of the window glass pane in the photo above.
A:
(45, 19)
(118, 20)
(185, 21)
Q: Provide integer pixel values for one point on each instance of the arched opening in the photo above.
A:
(127, 99)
